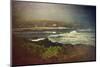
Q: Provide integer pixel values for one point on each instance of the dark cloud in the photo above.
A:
(75, 14)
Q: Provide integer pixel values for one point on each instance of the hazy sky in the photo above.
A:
(26, 11)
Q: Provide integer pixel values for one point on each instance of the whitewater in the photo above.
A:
(74, 38)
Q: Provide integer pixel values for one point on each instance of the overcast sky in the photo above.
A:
(27, 11)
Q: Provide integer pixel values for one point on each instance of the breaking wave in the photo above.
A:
(36, 40)
(74, 38)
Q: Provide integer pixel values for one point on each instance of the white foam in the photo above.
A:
(74, 38)
(36, 40)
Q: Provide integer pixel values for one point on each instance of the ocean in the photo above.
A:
(64, 36)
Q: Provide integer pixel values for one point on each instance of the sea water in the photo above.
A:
(74, 38)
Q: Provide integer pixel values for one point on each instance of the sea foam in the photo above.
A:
(74, 38)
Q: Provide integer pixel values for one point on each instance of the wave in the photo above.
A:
(36, 40)
(73, 38)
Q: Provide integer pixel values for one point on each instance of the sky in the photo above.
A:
(75, 14)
